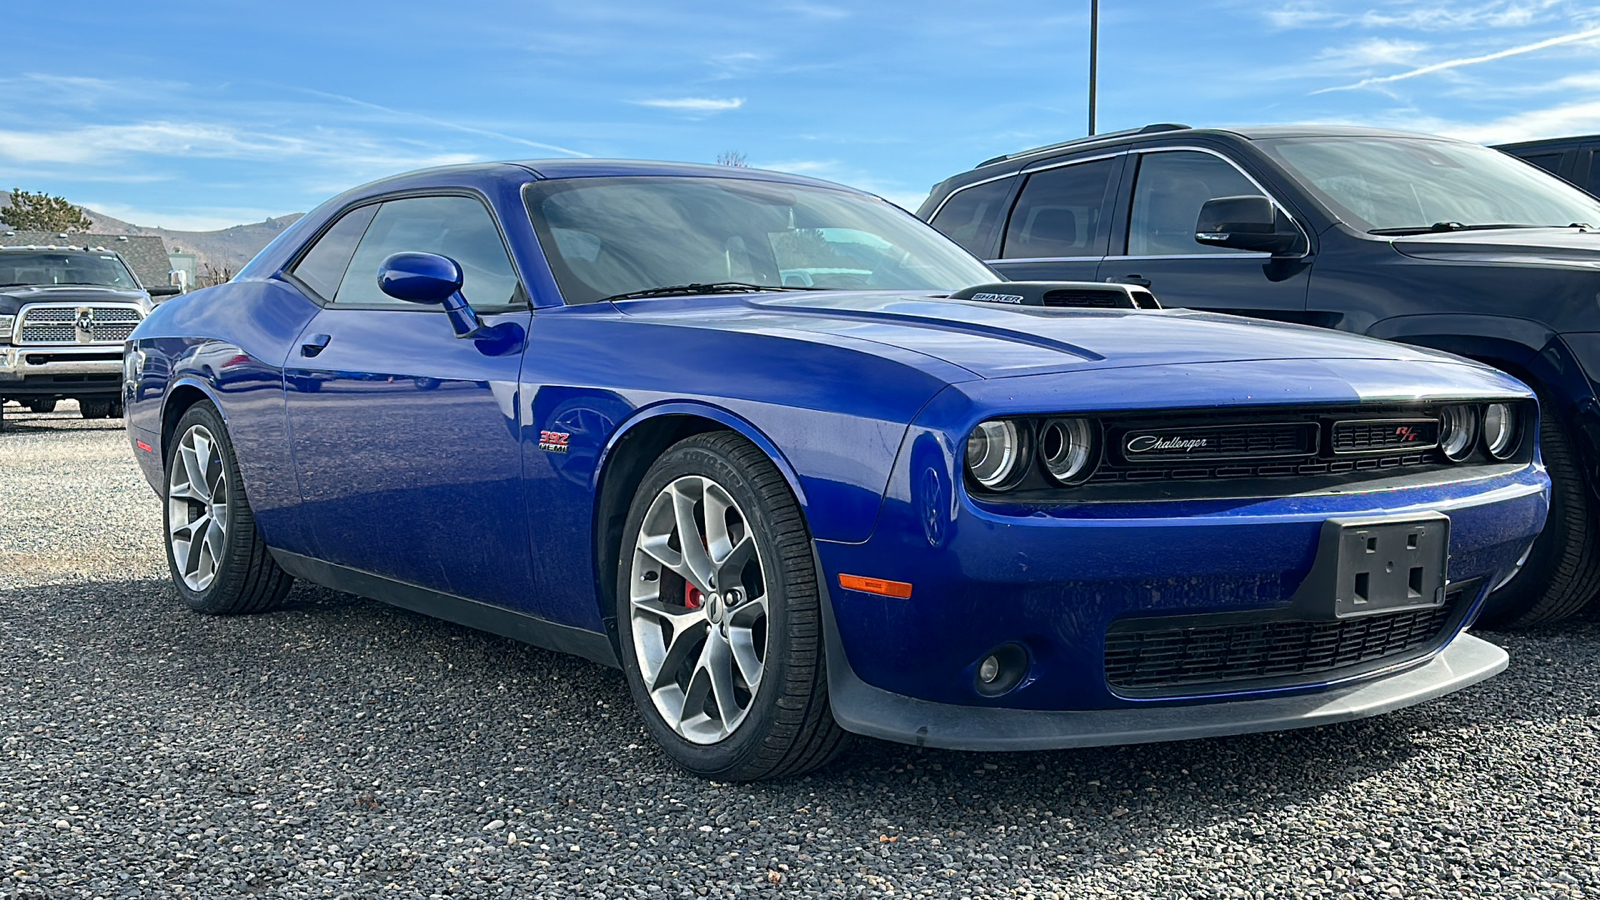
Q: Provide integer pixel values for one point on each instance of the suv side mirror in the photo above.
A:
(1244, 223)
(164, 290)
(431, 278)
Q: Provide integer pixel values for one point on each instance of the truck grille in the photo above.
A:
(59, 324)
(1157, 656)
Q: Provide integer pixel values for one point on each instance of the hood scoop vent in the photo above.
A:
(1061, 295)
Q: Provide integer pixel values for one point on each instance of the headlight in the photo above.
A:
(994, 454)
(1067, 447)
(6, 324)
(1458, 431)
(1500, 430)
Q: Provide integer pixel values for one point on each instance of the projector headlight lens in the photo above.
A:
(1067, 448)
(1500, 430)
(994, 454)
(1458, 431)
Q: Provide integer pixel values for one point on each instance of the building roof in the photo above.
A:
(145, 254)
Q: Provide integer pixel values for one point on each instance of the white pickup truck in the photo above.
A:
(64, 315)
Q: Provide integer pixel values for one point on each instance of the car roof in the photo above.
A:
(588, 168)
(1249, 133)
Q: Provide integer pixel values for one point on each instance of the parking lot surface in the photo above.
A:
(342, 748)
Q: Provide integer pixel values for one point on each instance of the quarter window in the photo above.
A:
(457, 227)
(1550, 162)
(323, 265)
(1171, 188)
(969, 217)
(1060, 213)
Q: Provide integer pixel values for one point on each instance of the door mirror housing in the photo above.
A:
(1245, 223)
(434, 279)
(420, 277)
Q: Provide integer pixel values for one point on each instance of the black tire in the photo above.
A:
(1562, 573)
(246, 578)
(92, 408)
(115, 412)
(42, 406)
(788, 727)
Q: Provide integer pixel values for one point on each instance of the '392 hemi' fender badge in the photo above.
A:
(554, 441)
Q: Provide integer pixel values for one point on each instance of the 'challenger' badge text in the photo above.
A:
(554, 441)
(1149, 443)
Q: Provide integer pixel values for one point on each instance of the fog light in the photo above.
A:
(1002, 670)
(989, 670)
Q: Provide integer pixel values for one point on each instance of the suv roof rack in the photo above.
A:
(1154, 128)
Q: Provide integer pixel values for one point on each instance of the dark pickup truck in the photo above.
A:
(1569, 158)
(1400, 236)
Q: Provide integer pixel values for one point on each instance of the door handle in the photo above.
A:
(1140, 280)
(316, 344)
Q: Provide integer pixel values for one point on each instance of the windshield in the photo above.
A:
(35, 267)
(606, 237)
(1413, 184)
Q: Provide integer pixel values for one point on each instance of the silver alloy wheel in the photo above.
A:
(197, 508)
(699, 609)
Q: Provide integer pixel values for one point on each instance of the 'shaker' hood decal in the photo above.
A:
(998, 341)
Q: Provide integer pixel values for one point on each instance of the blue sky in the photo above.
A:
(191, 115)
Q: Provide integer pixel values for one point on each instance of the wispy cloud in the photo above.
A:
(453, 126)
(1588, 34)
(1426, 15)
(694, 105)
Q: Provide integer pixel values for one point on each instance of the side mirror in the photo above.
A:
(419, 277)
(431, 278)
(164, 290)
(1244, 223)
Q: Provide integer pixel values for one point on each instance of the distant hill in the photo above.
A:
(229, 248)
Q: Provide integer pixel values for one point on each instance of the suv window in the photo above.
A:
(1059, 213)
(1550, 162)
(1171, 188)
(970, 215)
(458, 227)
(323, 266)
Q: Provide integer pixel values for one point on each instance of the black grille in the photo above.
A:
(1152, 656)
(1085, 299)
(1385, 434)
(1162, 446)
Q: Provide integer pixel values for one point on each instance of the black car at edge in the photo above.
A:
(1571, 158)
(1407, 237)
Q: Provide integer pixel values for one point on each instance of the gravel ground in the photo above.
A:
(343, 748)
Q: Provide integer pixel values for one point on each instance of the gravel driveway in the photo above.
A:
(343, 748)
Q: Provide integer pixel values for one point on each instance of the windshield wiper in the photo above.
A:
(715, 287)
(1442, 227)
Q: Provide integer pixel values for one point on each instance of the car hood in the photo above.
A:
(1554, 246)
(13, 299)
(997, 341)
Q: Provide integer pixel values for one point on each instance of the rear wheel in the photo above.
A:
(1562, 572)
(719, 615)
(218, 561)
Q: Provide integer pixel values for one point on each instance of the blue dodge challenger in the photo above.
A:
(802, 467)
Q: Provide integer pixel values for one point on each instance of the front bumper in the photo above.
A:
(45, 370)
(863, 709)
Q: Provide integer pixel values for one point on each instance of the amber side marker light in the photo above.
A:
(899, 589)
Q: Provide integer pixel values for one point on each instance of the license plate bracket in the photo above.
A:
(1368, 566)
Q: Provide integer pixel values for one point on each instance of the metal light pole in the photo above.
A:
(1094, 54)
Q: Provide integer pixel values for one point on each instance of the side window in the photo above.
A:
(457, 227)
(969, 217)
(1059, 213)
(323, 265)
(1171, 188)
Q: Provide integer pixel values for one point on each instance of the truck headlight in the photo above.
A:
(6, 324)
(995, 454)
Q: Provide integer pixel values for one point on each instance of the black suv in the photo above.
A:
(1571, 158)
(1401, 236)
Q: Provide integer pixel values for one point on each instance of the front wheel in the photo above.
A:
(219, 563)
(719, 615)
(42, 406)
(1562, 572)
(94, 409)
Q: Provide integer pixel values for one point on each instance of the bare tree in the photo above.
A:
(733, 158)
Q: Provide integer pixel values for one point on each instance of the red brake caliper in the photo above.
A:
(691, 596)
